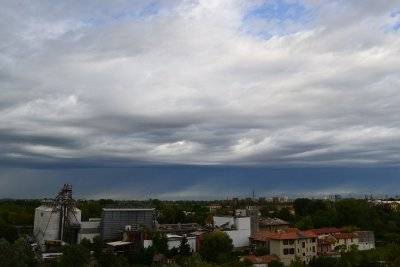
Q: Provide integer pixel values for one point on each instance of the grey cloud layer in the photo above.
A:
(188, 83)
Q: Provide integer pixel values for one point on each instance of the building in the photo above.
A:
(57, 219)
(253, 213)
(89, 229)
(288, 245)
(174, 241)
(366, 240)
(214, 207)
(119, 247)
(178, 228)
(272, 224)
(345, 241)
(261, 261)
(237, 228)
(114, 221)
(47, 223)
(332, 241)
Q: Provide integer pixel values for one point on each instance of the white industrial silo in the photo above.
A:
(54, 218)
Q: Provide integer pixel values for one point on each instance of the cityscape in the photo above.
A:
(252, 231)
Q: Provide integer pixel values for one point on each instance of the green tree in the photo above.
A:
(18, 254)
(297, 263)
(97, 246)
(216, 246)
(8, 232)
(184, 248)
(305, 223)
(285, 214)
(160, 243)
(87, 244)
(276, 264)
(74, 256)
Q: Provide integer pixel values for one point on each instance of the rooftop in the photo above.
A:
(118, 243)
(326, 230)
(272, 222)
(128, 209)
(292, 233)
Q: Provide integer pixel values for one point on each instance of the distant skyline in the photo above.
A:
(199, 182)
(165, 98)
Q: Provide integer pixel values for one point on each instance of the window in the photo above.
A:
(313, 240)
(291, 251)
(41, 214)
(303, 244)
(285, 242)
(285, 251)
(313, 249)
(291, 242)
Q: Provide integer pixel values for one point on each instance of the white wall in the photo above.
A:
(240, 238)
(365, 246)
(147, 243)
(90, 237)
(174, 243)
(46, 224)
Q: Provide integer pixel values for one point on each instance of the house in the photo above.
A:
(326, 246)
(237, 228)
(345, 241)
(325, 241)
(272, 224)
(320, 232)
(331, 240)
(288, 245)
(366, 240)
(261, 261)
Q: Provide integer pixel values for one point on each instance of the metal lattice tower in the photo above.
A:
(66, 205)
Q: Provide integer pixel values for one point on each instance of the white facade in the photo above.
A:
(147, 243)
(89, 230)
(174, 241)
(366, 240)
(288, 250)
(241, 229)
(47, 224)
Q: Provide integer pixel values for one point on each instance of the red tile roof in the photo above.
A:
(261, 259)
(291, 233)
(345, 235)
(326, 230)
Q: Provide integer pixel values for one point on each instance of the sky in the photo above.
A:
(199, 99)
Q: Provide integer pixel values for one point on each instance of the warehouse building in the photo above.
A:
(114, 221)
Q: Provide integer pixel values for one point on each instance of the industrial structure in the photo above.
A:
(114, 221)
(57, 219)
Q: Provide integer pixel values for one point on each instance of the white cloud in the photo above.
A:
(186, 83)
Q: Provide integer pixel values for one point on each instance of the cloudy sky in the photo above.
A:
(188, 99)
